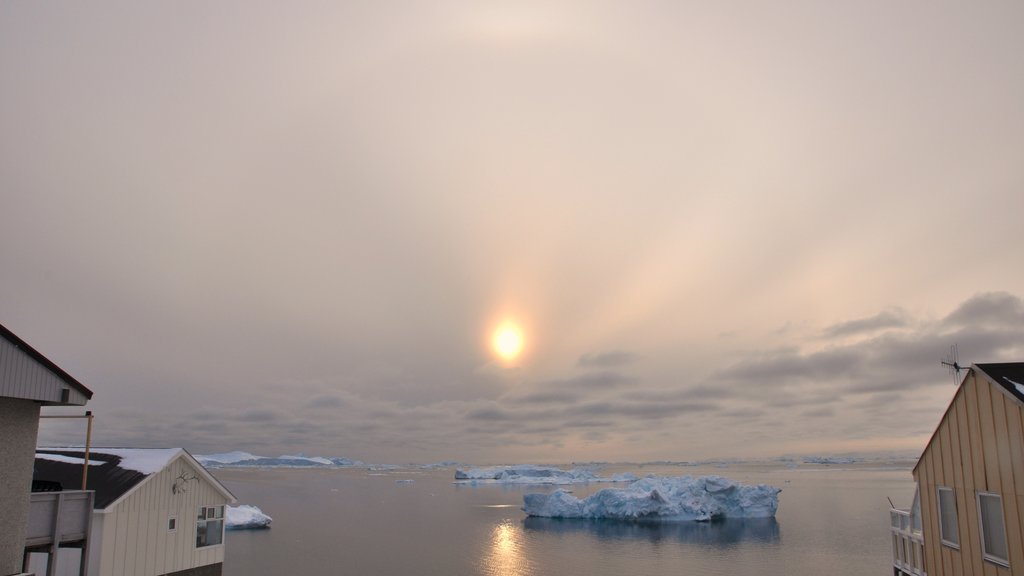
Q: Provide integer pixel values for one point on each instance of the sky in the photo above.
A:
(729, 229)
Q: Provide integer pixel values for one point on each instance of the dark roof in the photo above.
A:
(1009, 375)
(35, 355)
(109, 480)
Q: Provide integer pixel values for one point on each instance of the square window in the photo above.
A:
(210, 526)
(949, 532)
(993, 530)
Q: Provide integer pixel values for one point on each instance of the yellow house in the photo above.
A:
(968, 513)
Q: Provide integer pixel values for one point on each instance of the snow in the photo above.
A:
(142, 460)
(662, 498)
(67, 459)
(246, 517)
(1017, 385)
(532, 474)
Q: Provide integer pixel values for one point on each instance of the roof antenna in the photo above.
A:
(952, 362)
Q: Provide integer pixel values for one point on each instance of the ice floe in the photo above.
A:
(246, 517)
(662, 498)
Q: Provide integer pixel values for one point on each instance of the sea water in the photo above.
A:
(831, 519)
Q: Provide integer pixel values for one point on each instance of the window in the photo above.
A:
(993, 531)
(915, 513)
(210, 526)
(172, 524)
(948, 531)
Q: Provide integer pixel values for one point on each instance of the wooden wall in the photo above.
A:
(22, 377)
(978, 447)
(135, 539)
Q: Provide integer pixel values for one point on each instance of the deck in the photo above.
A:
(907, 545)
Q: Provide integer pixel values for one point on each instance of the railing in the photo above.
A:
(59, 517)
(907, 544)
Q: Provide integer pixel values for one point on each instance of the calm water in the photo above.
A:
(329, 522)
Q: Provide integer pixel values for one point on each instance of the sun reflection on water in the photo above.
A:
(507, 556)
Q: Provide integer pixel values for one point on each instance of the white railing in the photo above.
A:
(907, 544)
(56, 517)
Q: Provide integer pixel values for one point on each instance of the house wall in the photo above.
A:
(135, 538)
(19, 425)
(21, 376)
(978, 447)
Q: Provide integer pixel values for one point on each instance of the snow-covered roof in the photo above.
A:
(113, 472)
(1009, 375)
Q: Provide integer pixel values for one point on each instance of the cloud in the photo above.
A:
(544, 398)
(893, 318)
(655, 410)
(258, 415)
(325, 401)
(604, 379)
(606, 359)
(999, 309)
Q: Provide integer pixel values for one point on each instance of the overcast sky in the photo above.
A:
(728, 229)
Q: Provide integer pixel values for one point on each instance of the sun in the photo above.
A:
(507, 341)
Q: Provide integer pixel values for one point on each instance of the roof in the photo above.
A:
(1009, 375)
(46, 362)
(113, 472)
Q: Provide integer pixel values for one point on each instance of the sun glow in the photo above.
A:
(508, 341)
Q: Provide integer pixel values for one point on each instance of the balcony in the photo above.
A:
(907, 544)
(56, 520)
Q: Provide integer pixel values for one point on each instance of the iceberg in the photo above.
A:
(829, 460)
(680, 498)
(246, 517)
(246, 460)
(527, 474)
(225, 458)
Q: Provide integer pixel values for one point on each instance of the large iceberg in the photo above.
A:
(531, 474)
(246, 517)
(246, 460)
(662, 498)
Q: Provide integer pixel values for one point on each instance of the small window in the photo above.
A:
(172, 524)
(210, 526)
(993, 530)
(948, 530)
(915, 513)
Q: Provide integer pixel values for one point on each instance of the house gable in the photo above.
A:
(28, 375)
(137, 538)
(978, 447)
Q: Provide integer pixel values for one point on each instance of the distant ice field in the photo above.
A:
(831, 518)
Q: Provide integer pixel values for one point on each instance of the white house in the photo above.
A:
(157, 511)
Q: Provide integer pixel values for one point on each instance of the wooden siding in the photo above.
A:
(21, 376)
(978, 447)
(135, 538)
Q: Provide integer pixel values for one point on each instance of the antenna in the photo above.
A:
(952, 362)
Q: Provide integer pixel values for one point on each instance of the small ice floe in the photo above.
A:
(531, 474)
(658, 498)
(246, 517)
